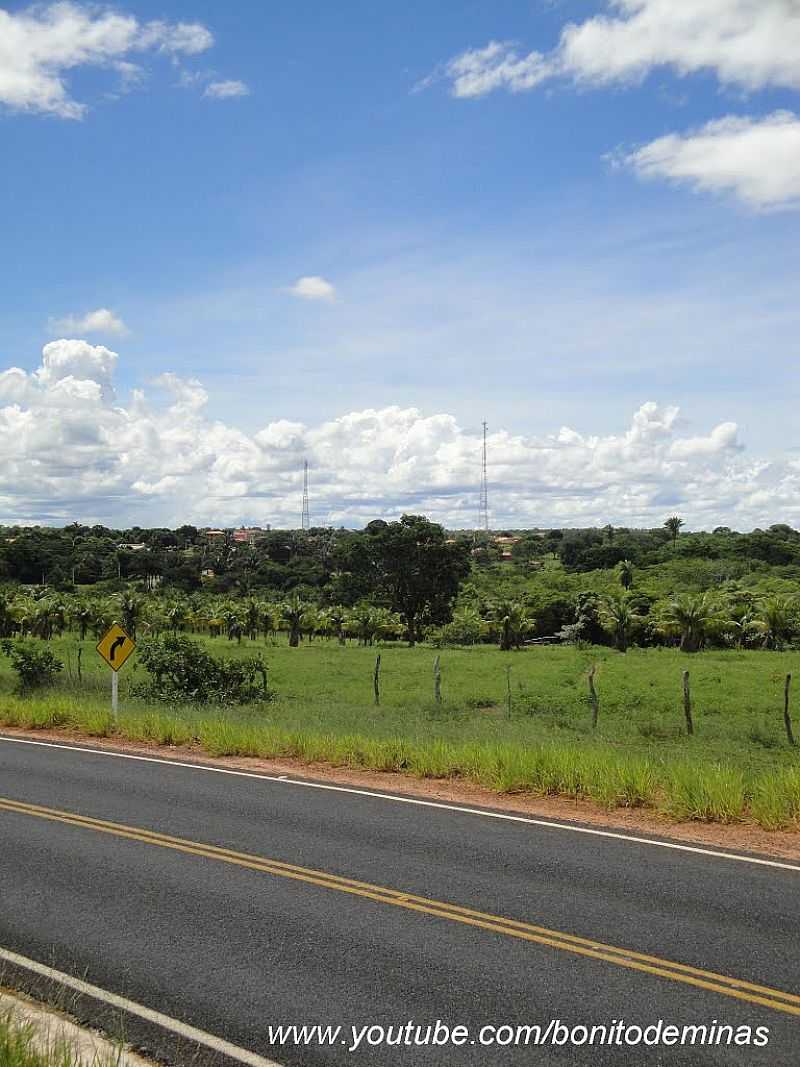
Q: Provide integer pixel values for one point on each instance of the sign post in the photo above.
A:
(115, 646)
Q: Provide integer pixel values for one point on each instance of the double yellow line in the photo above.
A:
(540, 935)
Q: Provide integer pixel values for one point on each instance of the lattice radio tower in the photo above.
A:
(305, 518)
(483, 513)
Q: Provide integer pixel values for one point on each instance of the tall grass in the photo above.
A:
(709, 792)
(23, 1045)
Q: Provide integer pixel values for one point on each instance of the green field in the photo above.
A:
(738, 765)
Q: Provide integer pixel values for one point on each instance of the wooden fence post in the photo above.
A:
(80, 653)
(437, 681)
(687, 704)
(508, 689)
(786, 717)
(376, 679)
(593, 698)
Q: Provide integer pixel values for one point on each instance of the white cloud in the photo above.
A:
(41, 44)
(497, 66)
(102, 320)
(748, 43)
(69, 449)
(312, 287)
(756, 159)
(751, 44)
(723, 438)
(226, 90)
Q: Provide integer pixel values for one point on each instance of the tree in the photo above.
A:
(416, 570)
(513, 621)
(776, 621)
(625, 574)
(673, 525)
(292, 612)
(693, 618)
(588, 624)
(620, 618)
(131, 608)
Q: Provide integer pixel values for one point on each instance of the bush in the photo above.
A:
(183, 671)
(36, 667)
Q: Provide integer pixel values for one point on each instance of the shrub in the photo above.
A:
(36, 667)
(183, 671)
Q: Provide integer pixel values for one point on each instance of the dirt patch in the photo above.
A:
(743, 837)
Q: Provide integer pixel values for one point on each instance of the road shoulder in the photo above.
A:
(738, 837)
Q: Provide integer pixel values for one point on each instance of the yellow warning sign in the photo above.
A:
(115, 646)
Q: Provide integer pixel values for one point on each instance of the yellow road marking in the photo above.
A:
(677, 972)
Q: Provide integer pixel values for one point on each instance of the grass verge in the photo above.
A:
(682, 789)
(22, 1045)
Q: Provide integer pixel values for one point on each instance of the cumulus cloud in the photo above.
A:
(226, 90)
(752, 44)
(748, 43)
(758, 160)
(70, 449)
(312, 287)
(101, 320)
(41, 44)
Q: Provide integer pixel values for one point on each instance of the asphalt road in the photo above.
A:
(287, 934)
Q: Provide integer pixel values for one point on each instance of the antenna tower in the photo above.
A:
(305, 519)
(483, 515)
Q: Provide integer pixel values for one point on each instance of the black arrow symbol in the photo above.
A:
(118, 643)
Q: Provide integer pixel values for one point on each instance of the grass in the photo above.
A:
(737, 766)
(22, 1046)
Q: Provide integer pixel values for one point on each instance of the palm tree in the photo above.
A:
(82, 613)
(776, 620)
(743, 626)
(337, 616)
(625, 573)
(674, 524)
(514, 622)
(175, 615)
(387, 624)
(362, 621)
(620, 618)
(253, 614)
(131, 608)
(292, 611)
(694, 618)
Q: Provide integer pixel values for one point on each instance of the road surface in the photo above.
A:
(235, 903)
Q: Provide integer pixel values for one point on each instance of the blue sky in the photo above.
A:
(535, 254)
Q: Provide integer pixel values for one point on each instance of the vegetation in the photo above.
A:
(211, 614)
(21, 1046)
(183, 671)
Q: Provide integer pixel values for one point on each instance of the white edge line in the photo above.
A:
(527, 820)
(199, 1037)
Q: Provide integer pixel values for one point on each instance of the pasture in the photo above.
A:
(529, 729)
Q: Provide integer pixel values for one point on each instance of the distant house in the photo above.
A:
(505, 542)
(249, 535)
(133, 548)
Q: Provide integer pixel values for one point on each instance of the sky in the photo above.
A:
(235, 237)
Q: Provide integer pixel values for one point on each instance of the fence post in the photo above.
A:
(376, 679)
(80, 653)
(687, 704)
(593, 698)
(508, 689)
(437, 681)
(786, 717)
